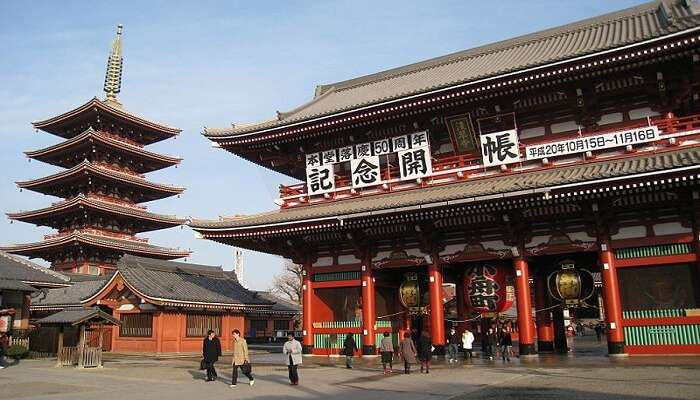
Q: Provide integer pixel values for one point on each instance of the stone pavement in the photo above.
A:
(583, 375)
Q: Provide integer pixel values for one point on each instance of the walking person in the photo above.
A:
(349, 348)
(386, 348)
(598, 331)
(505, 342)
(407, 352)
(425, 351)
(292, 351)
(452, 345)
(241, 359)
(490, 340)
(211, 351)
(467, 340)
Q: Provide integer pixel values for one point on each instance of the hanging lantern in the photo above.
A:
(410, 292)
(570, 285)
(489, 288)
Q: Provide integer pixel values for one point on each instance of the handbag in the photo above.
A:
(246, 367)
(202, 365)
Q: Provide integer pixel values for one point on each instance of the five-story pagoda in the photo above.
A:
(102, 185)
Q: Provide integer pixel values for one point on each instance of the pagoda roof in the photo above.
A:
(100, 241)
(87, 169)
(62, 125)
(81, 202)
(474, 190)
(50, 154)
(18, 269)
(635, 25)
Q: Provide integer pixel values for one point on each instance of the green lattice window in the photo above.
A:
(336, 276)
(672, 249)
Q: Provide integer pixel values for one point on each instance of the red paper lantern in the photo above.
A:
(488, 288)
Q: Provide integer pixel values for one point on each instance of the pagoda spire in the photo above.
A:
(113, 77)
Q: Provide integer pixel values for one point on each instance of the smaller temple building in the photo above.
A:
(18, 279)
(168, 306)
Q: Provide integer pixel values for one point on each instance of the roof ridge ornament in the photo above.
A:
(113, 76)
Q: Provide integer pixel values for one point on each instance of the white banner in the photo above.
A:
(415, 163)
(320, 180)
(500, 148)
(413, 152)
(365, 172)
(590, 143)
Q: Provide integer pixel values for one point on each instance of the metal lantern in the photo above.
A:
(570, 285)
(489, 288)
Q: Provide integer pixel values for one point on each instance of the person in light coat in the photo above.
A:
(241, 359)
(387, 350)
(292, 352)
(467, 340)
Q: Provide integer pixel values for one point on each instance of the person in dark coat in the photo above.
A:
(452, 345)
(505, 342)
(425, 351)
(211, 351)
(490, 340)
(349, 348)
(407, 351)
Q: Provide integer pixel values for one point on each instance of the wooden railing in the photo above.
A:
(70, 356)
(445, 166)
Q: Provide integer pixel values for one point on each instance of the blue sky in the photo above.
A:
(207, 63)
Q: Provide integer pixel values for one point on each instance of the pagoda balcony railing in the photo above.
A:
(457, 168)
(97, 232)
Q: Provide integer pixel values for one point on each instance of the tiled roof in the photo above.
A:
(127, 246)
(475, 188)
(609, 31)
(184, 282)
(55, 124)
(18, 269)
(87, 168)
(82, 202)
(90, 136)
(281, 305)
(77, 316)
(11, 284)
(71, 296)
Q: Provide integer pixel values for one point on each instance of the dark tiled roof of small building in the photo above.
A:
(476, 189)
(184, 282)
(281, 305)
(609, 31)
(71, 296)
(11, 284)
(77, 316)
(16, 268)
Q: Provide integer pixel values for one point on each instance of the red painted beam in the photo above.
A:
(662, 321)
(664, 349)
(640, 262)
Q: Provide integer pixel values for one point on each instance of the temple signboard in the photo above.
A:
(412, 151)
(590, 143)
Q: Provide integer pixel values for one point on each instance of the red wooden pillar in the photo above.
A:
(307, 315)
(437, 307)
(369, 313)
(612, 303)
(526, 334)
(545, 327)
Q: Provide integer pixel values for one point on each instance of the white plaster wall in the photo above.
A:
(630, 232)
(670, 228)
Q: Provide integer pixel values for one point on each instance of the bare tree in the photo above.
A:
(288, 283)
